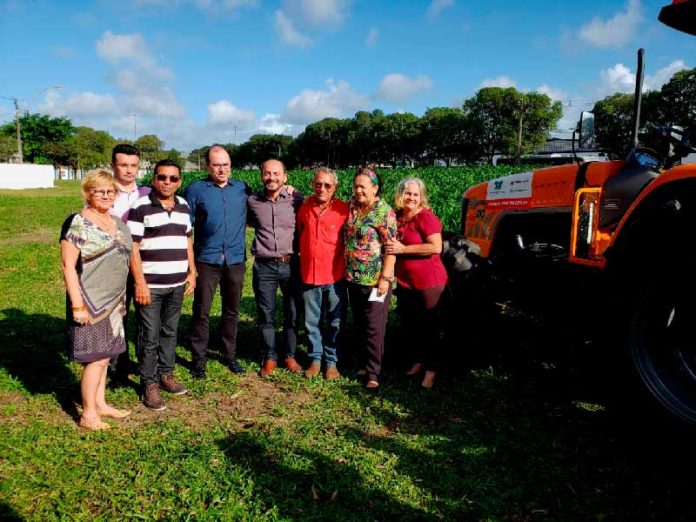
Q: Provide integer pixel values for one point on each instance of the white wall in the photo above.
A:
(23, 176)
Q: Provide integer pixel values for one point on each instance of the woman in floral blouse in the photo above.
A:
(369, 270)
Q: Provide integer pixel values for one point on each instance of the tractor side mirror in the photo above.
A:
(586, 130)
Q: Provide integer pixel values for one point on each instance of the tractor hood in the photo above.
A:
(680, 15)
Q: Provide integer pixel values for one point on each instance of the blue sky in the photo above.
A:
(201, 71)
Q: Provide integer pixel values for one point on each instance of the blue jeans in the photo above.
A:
(268, 276)
(331, 299)
(157, 324)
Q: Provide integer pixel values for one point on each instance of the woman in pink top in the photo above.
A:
(420, 274)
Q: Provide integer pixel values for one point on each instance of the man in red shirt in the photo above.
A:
(319, 227)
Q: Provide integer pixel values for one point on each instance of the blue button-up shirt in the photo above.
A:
(219, 217)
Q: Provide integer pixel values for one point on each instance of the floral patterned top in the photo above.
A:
(364, 239)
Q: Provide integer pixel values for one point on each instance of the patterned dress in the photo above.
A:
(364, 239)
(102, 269)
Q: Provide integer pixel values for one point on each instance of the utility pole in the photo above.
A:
(20, 152)
(13, 99)
(135, 123)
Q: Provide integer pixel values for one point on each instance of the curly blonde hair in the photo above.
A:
(97, 178)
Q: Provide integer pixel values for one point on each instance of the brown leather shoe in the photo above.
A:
(168, 383)
(313, 370)
(152, 398)
(331, 373)
(292, 366)
(267, 368)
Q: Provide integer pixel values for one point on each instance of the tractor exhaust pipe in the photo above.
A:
(638, 97)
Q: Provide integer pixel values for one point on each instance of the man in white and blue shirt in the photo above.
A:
(164, 271)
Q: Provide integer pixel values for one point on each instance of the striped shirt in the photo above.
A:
(163, 240)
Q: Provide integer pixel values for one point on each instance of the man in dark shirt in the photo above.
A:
(272, 213)
(218, 207)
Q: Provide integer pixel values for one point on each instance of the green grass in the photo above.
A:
(519, 441)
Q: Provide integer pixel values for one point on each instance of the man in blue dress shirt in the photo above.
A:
(218, 208)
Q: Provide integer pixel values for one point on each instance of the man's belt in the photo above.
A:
(279, 259)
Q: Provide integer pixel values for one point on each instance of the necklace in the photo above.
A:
(102, 221)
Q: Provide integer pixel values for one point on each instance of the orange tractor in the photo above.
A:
(625, 232)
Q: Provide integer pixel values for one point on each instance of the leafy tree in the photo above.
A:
(150, 147)
(508, 121)
(8, 147)
(325, 142)
(36, 131)
(488, 118)
(261, 147)
(61, 152)
(614, 122)
(444, 132)
(93, 148)
(398, 138)
(534, 116)
(678, 100)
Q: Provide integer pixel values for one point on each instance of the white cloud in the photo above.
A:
(551, 92)
(372, 35)
(224, 112)
(437, 6)
(617, 79)
(616, 31)
(396, 88)
(338, 100)
(324, 14)
(274, 124)
(80, 104)
(117, 47)
(287, 30)
(500, 81)
(655, 81)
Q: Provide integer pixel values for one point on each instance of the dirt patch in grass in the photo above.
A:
(43, 235)
(252, 403)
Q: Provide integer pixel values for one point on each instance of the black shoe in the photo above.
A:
(198, 371)
(235, 367)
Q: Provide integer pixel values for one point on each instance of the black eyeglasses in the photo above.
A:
(319, 184)
(164, 177)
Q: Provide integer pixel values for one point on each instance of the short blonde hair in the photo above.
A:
(399, 194)
(96, 178)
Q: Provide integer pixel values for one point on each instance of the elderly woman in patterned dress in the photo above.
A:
(95, 253)
(369, 270)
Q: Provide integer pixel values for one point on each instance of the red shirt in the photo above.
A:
(419, 272)
(322, 259)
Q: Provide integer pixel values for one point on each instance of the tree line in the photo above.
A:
(495, 120)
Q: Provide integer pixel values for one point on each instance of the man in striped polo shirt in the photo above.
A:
(163, 268)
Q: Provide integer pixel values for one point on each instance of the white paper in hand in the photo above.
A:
(375, 297)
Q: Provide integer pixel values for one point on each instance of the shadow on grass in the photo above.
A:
(8, 514)
(296, 483)
(33, 350)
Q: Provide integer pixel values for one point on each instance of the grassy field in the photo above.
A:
(532, 437)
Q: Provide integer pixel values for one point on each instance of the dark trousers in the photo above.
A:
(370, 325)
(231, 281)
(157, 324)
(120, 364)
(421, 319)
(268, 277)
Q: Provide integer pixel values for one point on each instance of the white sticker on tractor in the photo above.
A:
(510, 191)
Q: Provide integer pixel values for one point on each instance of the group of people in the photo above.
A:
(154, 247)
